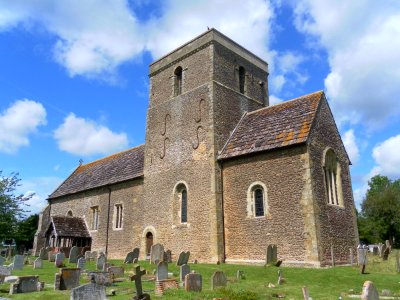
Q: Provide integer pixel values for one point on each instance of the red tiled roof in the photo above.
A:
(272, 127)
(112, 169)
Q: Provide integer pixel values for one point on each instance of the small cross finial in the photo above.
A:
(80, 162)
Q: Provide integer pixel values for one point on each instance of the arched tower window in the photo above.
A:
(184, 206)
(69, 213)
(332, 178)
(180, 203)
(178, 81)
(242, 79)
(257, 205)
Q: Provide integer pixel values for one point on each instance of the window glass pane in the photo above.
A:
(184, 207)
(259, 202)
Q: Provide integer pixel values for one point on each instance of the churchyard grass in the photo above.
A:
(324, 283)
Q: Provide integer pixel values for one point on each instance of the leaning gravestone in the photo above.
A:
(59, 261)
(73, 255)
(2, 260)
(18, 262)
(386, 253)
(186, 258)
(90, 291)
(38, 263)
(25, 284)
(101, 260)
(136, 252)
(81, 264)
(218, 280)
(362, 255)
(184, 270)
(129, 258)
(67, 279)
(168, 256)
(272, 254)
(162, 271)
(183, 258)
(369, 291)
(193, 282)
(156, 253)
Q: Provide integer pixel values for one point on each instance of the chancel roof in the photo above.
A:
(272, 127)
(112, 169)
(65, 226)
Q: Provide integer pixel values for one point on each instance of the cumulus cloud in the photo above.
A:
(387, 157)
(362, 39)
(17, 122)
(85, 137)
(349, 141)
(274, 100)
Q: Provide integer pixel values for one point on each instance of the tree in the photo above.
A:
(11, 211)
(25, 231)
(380, 218)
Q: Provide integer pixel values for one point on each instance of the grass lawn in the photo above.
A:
(327, 283)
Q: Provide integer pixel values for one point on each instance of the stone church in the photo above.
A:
(222, 174)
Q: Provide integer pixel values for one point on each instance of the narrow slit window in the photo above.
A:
(178, 81)
(95, 218)
(259, 202)
(332, 178)
(118, 216)
(242, 80)
(184, 207)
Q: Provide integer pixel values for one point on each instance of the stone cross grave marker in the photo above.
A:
(193, 282)
(272, 254)
(18, 262)
(218, 280)
(162, 271)
(81, 264)
(101, 260)
(25, 284)
(156, 253)
(2, 260)
(73, 255)
(168, 256)
(184, 270)
(136, 252)
(59, 261)
(38, 263)
(67, 278)
(88, 256)
(90, 291)
(362, 255)
(129, 258)
(369, 291)
(138, 283)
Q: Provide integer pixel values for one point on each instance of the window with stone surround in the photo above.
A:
(257, 205)
(178, 81)
(69, 213)
(242, 80)
(180, 204)
(118, 216)
(94, 222)
(333, 186)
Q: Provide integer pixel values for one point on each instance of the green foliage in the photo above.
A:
(10, 205)
(379, 219)
(25, 232)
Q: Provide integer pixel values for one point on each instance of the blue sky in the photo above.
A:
(74, 74)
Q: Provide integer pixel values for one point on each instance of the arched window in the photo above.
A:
(178, 81)
(184, 206)
(332, 178)
(242, 79)
(69, 213)
(180, 203)
(257, 200)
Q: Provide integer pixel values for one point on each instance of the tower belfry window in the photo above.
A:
(242, 79)
(178, 81)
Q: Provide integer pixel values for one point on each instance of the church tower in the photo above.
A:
(198, 94)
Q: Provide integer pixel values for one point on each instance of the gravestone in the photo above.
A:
(2, 260)
(135, 261)
(106, 266)
(94, 255)
(218, 280)
(88, 256)
(67, 278)
(25, 284)
(90, 291)
(162, 271)
(184, 270)
(381, 249)
(4, 272)
(59, 261)
(181, 257)
(369, 291)
(388, 245)
(386, 253)
(193, 282)
(38, 263)
(44, 253)
(186, 258)
(375, 250)
(73, 255)
(52, 256)
(129, 258)
(156, 253)
(101, 260)
(100, 277)
(136, 252)
(168, 256)
(240, 275)
(362, 255)
(272, 254)
(18, 262)
(138, 284)
(81, 264)
(280, 277)
(116, 272)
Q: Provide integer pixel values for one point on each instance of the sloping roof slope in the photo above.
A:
(69, 226)
(115, 168)
(272, 127)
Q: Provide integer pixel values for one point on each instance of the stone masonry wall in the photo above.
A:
(336, 225)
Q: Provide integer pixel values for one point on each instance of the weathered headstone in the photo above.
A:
(218, 280)
(101, 260)
(186, 258)
(81, 264)
(25, 284)
(116, 271)
(51, 256)
(90, 291)
(168, 256)
(240, 275)
(67, 278)
(369, 291)
(272, 254)
(184, 270)
(162, 270)
(138, 284)
(4, 272)
(136, 252)
(280, 277)
(386, 253)
(100, 277)
(388, 245)
(156, 253)
(129, 258)
(375, 250)
(381, 248)
(73, 255)
(94, 255)
(181, 258)
(59, 261)
(2, 260)
(38, 263)
(18, 262)
(362, 255)
(88, 256)
(193, 282)
(44, 253)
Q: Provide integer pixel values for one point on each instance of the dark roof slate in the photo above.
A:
(272, 127)
(112, 169)
(65, 226)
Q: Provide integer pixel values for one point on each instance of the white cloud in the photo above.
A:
(349, 141)
(85, 137)
(274, 100)
(17, 122)
(387, 157)
(362, 39)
